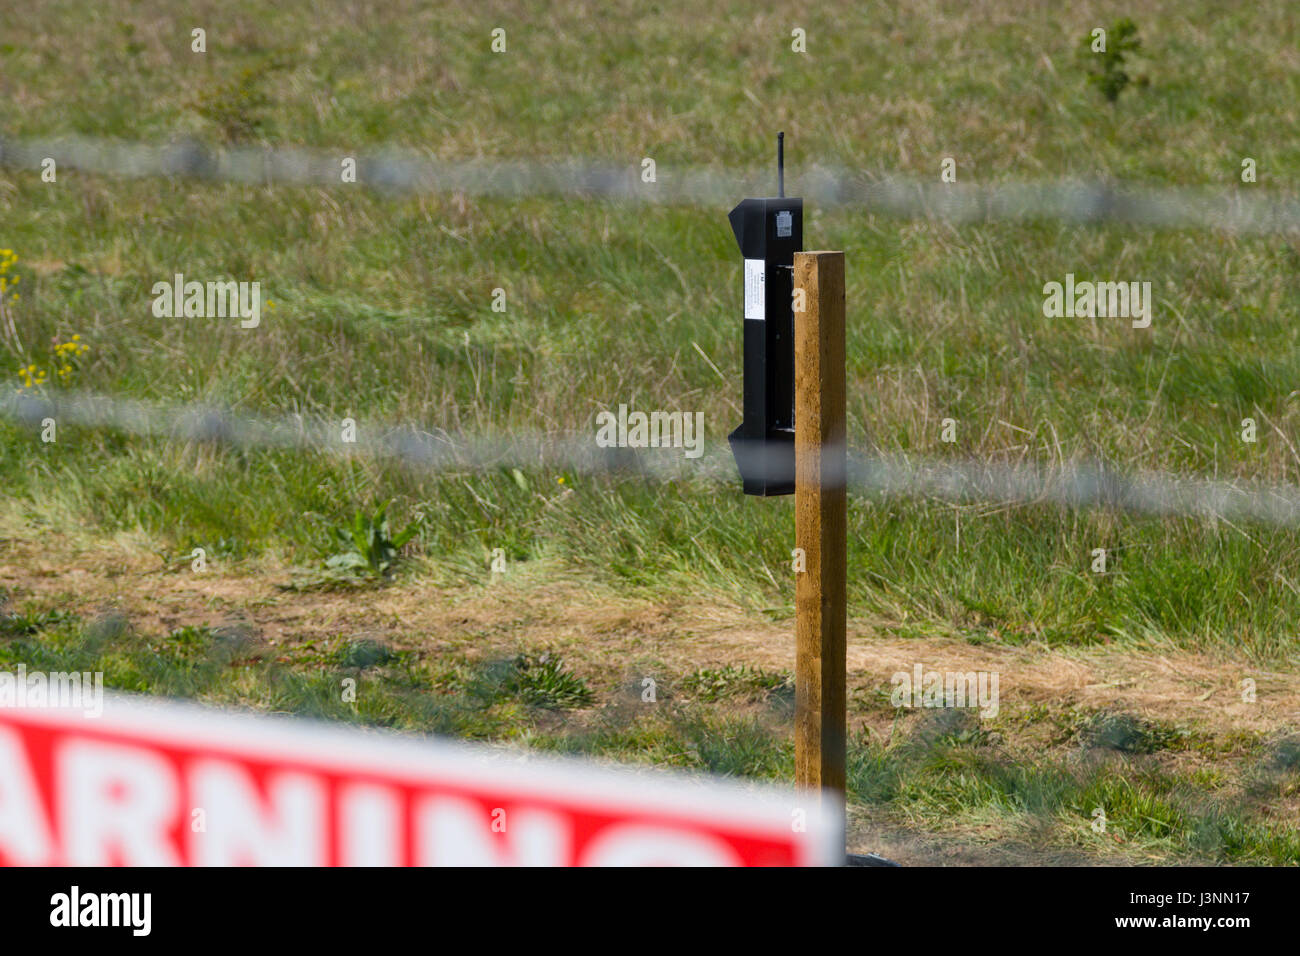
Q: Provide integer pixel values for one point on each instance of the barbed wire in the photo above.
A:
(1068, 485)
(1075, 486)
(1232, 210)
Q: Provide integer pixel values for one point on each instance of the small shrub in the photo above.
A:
(187, 642)
(1129, 734)
(9, 294)
(236, 106)
(1286, 755)
(131, 47)
(31, 622)
(1106, 67)
(544, 681)
(365, 653)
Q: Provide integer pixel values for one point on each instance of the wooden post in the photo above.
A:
(820, 520)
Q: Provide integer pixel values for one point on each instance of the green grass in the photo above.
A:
(937, 770)
(382, 312)
(382, 304)
(731, 680)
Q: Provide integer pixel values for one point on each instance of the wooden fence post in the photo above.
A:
(820, 523)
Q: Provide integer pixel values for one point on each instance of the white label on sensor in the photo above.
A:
(755, 297)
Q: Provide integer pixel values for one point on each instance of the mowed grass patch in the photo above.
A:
(938, 771)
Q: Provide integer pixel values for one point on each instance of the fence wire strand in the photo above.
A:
(1229, 210)
(432, 451)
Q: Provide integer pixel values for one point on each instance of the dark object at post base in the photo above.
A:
(868, 859)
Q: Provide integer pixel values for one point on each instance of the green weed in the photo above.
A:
(369, 545)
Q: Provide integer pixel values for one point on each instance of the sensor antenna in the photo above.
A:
(780, 165)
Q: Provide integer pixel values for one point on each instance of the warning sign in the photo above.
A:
(164, 784)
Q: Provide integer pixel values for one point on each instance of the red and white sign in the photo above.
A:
(163, 784)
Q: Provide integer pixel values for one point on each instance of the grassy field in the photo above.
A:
(382, 311)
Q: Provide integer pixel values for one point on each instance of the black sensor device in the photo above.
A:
(769, 232)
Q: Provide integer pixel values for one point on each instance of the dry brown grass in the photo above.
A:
(600, 630)
(608, 638)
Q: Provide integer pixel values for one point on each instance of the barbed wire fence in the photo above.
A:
(434, 452)
(410, 171)
(1067, 485)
